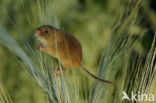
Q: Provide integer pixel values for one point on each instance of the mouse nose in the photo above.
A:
(37, 32)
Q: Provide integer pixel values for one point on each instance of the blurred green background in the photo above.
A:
(90, 21)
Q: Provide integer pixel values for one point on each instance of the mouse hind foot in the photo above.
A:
(59, 71)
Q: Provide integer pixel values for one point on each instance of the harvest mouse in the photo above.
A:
(63, 46)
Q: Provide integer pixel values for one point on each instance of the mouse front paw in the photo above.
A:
(40, 48)
(57, 72)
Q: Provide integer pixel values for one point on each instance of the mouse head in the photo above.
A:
(45, 31)
(45, 34)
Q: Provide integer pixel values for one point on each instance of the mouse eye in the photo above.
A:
(46, 31)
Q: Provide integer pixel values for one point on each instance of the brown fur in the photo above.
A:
(64, 46)
(61, 45)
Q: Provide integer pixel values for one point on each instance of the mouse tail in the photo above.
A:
(95, 77)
